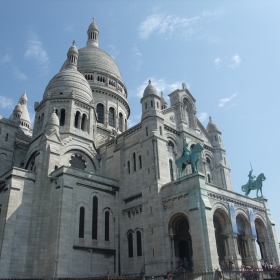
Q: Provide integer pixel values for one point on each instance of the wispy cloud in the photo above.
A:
(6, 102)
(7, 61)
(203, 116)
(159, 84)
(161, 23)
(225, 100)
(137, 55)
(218, 62)
(69, 27)
(236, 60)
(35, 51)
(113, 51)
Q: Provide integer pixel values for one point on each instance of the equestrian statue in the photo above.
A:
(188, 157)
(253, 184)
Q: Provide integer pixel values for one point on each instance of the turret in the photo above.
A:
(221, 168)
(93, 33)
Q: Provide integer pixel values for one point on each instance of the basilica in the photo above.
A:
(81, 194)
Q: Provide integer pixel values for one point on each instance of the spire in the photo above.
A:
(72, 56)
(93, 33)
(23, 99)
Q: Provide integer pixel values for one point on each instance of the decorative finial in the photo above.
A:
(74, 43)
(149, 82)
(161, 94)
(54, 110)
(93, 19)
(184, 86)
(210, 119)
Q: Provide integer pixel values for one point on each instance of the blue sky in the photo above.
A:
(227, 52)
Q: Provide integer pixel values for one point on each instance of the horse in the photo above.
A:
(192, 159)
(256, 185)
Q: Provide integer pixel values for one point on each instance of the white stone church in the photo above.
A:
(80, 194)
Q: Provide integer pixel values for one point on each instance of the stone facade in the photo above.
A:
(80, 194)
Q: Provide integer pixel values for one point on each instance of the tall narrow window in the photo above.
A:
(82, 222)
(84, 121)
(171, 170)
(130, 244)
(140, 162)
(146, 131)
(152, 105)
(100, 113)
(62, 117)
(120, 122)
(7, 137)
(112, 117)
(160, 130)
(209, 178)
(139, 243)
(134, 162)
(107, 223)
(77, 117)
(94, 217)
(146, 106)
(128, 167)
(125, 124)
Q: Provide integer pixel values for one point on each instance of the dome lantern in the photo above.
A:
(72, 56)
(93, 33)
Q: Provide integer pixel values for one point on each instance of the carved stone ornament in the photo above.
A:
(78, 161)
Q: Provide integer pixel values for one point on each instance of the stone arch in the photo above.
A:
(262, 240)
(179, 231)
(189, 112)
(222, 227)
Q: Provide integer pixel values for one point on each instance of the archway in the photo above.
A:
(182, 241)
(222, 227)
(242, 243)
(261, 234)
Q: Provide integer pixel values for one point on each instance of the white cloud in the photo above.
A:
(218, 62)
(161, 23)
(203, 116)
(236, 60)
(223, 101)
(137, 55)
(160, 85)
(70, 27)
(6, 102)
(35, 51)
(113, 51)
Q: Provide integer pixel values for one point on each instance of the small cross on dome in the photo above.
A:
(93, 19)
(149, 82)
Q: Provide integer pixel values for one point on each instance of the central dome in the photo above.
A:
(93, 58)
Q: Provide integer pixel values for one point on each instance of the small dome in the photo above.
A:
(93, 26)
(150, 89)
(73, 48)
(18, 108)
(211, 127)
(53, 119)
(68, 81)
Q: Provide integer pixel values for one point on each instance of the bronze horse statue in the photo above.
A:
(191, 158)
(255, 185)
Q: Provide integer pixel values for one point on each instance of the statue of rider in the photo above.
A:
(251, 178)
(186, 151)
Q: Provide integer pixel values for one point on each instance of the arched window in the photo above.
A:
(82, 222)
(139, 243)
(130, 244)
(107, 223)
(94, 217)
(112, 117)
(77, 118)
(128, 167)
(7, 137)
(134, 162)
(171, 170)
(120, 122)
(100, 113)
(62, 117)
(140, 162)
(84, 121)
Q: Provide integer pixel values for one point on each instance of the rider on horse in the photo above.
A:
(251, 179)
